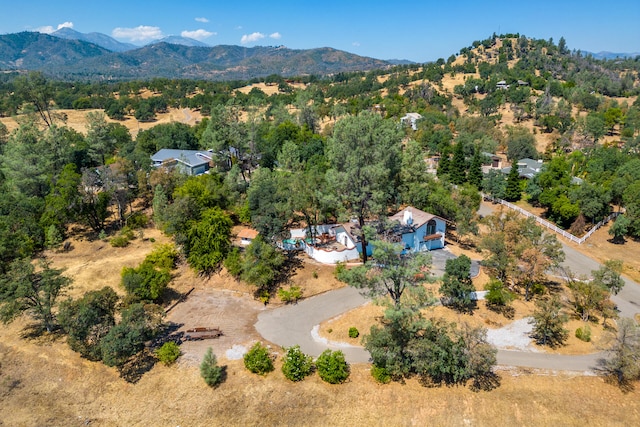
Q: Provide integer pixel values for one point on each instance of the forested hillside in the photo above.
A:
(281, 158)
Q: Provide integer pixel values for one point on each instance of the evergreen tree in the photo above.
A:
(475, 170)
(513, 193)
(458, 169)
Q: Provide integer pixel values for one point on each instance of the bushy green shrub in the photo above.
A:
(163, 257)
(137, 220)
(123, 238)
(293, 294)
(584, 333)
(380, 374)
(296, 365)
(258, 360)
(233, 263)
(332, 367)
(212, 374)
(341, 267)
(145, 282)
(168, 353)
(353, 332)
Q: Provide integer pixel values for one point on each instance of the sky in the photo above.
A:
(418, 31)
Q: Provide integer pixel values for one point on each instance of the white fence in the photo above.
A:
(553, 227)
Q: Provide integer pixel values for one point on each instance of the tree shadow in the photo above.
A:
(487, 382)
(38, 333)
(614, 377)
(137, 366)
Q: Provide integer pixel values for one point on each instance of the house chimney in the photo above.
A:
(407, 217)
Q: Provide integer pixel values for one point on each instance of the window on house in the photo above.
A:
(431, 227)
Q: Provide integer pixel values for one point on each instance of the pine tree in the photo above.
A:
(513, 193)
(458, 170)
(475, 170)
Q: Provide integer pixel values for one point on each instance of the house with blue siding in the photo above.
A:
(419, 230)
(189, 162)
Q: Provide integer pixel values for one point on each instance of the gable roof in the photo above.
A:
(419, 217)
(248, 233)
(190, 158)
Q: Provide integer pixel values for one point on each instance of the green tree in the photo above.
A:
(520, 144)
(458, 167)
(391, 272)
(619, 229)
(87, 320)
(208, 240)
(475, 170)
(513, 192)
(296, 365)
(623, 362)
(23, 289)
(139, 323)
(36, 90)
(212, 374)
(609, 276)
(258, 360)
(261, 265)
(456, 285)
(364, 157)
(332, 367)
(548, 323)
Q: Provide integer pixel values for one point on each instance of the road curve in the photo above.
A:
(294, 324)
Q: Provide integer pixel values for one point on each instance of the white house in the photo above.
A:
(411, 119)
(190, 162)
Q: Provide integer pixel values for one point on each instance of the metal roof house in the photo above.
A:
(527, 168)
(190, 162)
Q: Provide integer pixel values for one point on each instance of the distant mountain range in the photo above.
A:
(71, 55)
(612, 55)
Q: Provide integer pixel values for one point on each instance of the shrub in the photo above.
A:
(102, 235)
(258, 360)
(380, 374)
(212, 374)
(332, 367)
(233, 263)
(163, 257)
(584, 333)
(341, 267)
(137, 220)
(293, 294)
(145, 282)
(296, 365)
(315, 274)
(123, 238)
(168, 353)
(353, 332)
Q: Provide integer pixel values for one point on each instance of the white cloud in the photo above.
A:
(239, 27)
(198, 34)
(140, 33)
(48, 29)
(356, 44)
(276, 36)
(250, 38)
(204, 20)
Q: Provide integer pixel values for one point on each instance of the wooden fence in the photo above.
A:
(553, 227)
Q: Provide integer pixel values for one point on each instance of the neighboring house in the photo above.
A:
(332, 243)
(247, 235)
(502, 85)
(494, 162)
(190, 162)
(411, 119)
(527, 168)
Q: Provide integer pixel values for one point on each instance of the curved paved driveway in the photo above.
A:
(294, 324)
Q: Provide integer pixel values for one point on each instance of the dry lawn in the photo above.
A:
(45, 383)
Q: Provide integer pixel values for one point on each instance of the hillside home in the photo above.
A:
(247, 235)
(189, 162)
(527, 168)
(411, 119)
